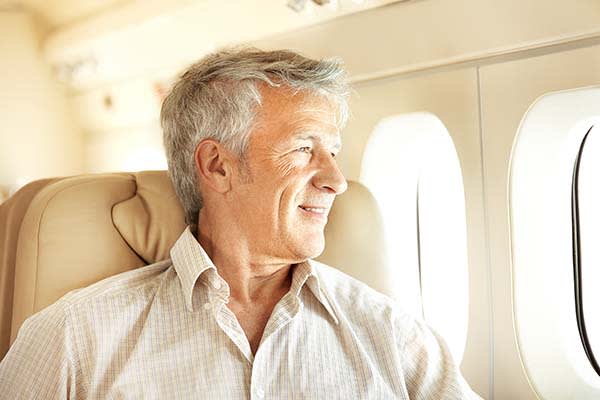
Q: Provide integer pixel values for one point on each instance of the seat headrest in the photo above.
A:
(152, 220)
(354, 239)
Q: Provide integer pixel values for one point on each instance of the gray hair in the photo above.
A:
(218, 97)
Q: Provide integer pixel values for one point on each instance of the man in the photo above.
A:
(240, 310)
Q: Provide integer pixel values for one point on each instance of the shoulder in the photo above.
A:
(348, 293)
(344, 286)
(121, 288)
(130, 282)
(353, 296)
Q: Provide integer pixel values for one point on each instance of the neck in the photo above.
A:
(250, 277)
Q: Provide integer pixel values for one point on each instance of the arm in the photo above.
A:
(430, 371)
(41, 362)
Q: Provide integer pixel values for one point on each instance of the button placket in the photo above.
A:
(260, 393)
(282, 316)
(230, 326)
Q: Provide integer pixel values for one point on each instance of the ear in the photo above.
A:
(213, 165)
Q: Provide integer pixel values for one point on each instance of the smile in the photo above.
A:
(316, 210)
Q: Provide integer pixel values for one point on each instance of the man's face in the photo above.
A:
(289, 177)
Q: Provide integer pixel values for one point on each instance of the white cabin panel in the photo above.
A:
(508, 90)
(452, 97)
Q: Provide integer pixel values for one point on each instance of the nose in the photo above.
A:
(329, 177)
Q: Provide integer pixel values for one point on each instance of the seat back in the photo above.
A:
(75, 231)
(11, 215)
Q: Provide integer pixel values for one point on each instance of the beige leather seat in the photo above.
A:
(61, 234)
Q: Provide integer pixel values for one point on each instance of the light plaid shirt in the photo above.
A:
(164, 332)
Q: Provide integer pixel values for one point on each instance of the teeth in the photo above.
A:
(316, 210)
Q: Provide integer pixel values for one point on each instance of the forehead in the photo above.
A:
(284, 114)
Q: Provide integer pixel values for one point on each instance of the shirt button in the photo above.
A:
(260, 393)
(207, 306)
(216, 285)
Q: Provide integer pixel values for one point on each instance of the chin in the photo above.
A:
(311, 248)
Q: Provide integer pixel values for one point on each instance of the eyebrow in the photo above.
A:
(337, 146)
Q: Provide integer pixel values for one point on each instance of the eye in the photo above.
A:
(305, 149)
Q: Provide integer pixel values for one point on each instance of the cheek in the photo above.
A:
(290, 164)
(286, 183)
(281, 184)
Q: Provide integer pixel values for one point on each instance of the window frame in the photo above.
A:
(577, 260)
(408, 141)
(541, 242)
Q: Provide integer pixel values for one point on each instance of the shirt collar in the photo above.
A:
(306, 273)
(191, 261)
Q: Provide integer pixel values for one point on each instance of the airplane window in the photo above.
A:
(554, 223)
(586, 252)
(411, 167)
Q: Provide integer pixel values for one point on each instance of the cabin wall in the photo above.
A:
(419, 35)
(508, 90)
(38, 134)
(453, 97)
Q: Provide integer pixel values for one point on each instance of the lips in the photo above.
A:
(314, 212)
(315, 209)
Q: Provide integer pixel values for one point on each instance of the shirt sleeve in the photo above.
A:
(430, 372)
(40, 364)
